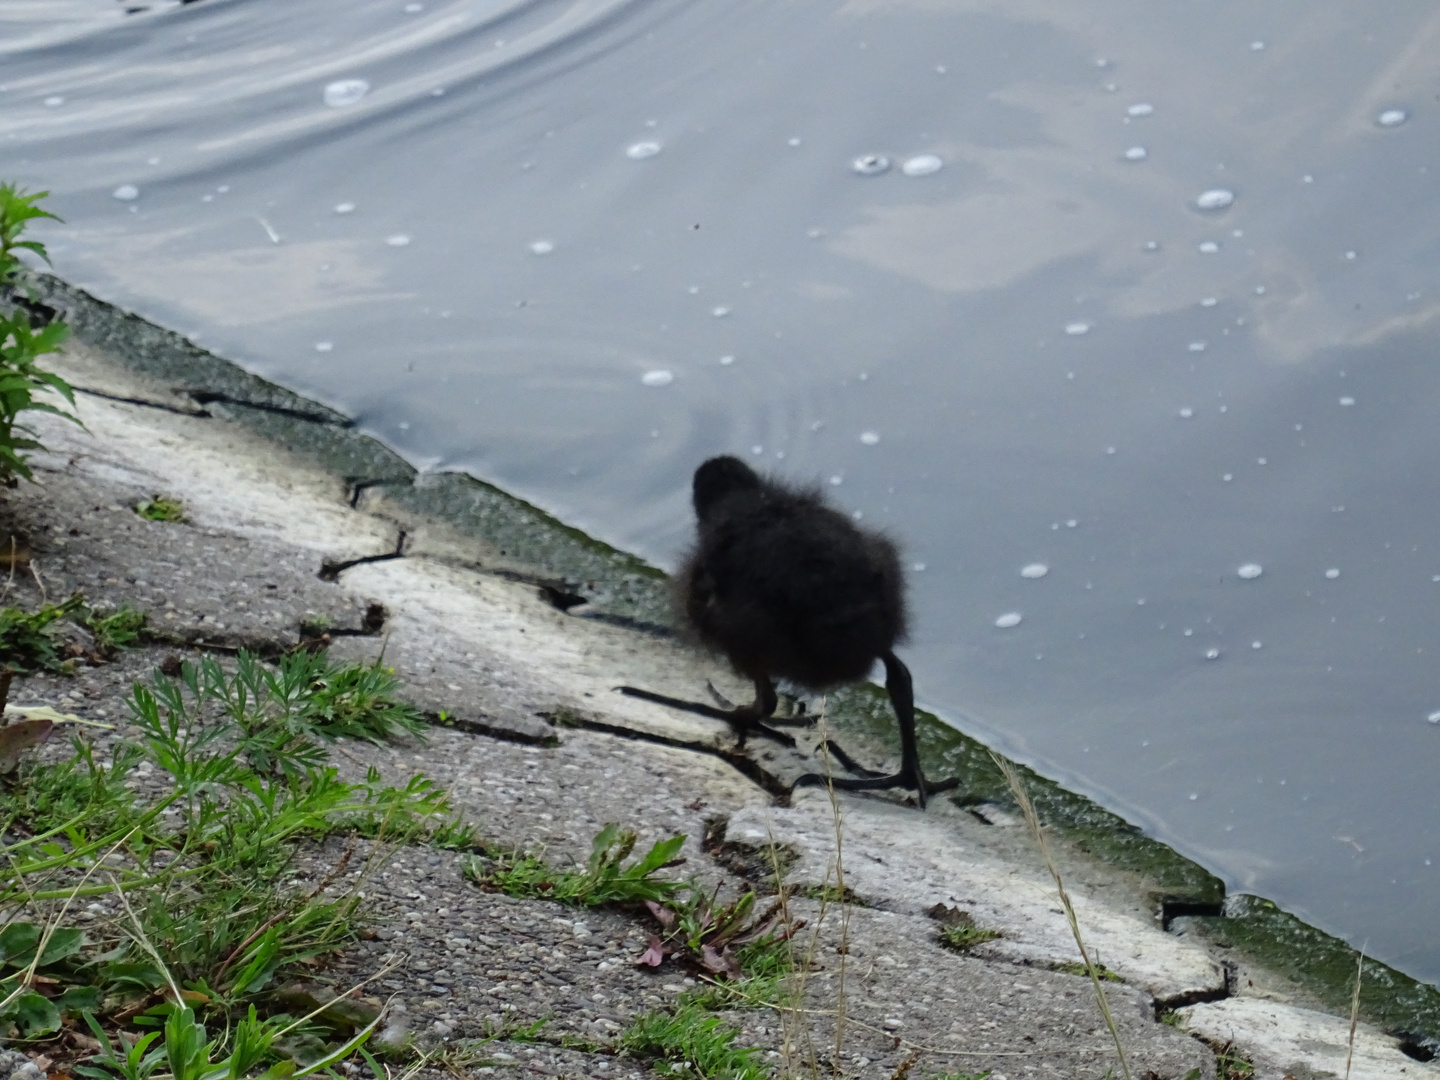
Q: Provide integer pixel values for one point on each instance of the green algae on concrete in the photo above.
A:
(532, 544)
(1274, 939)
(947, 752)
(516, 533)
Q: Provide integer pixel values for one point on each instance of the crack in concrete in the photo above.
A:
(330, 570)
(742, 763)
(202, 412)
(208, 397)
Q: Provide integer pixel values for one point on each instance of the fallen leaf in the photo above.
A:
(654, 954)
(16, 738)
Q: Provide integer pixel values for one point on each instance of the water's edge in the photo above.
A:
(523, 539)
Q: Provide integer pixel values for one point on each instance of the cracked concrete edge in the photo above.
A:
(134, 361)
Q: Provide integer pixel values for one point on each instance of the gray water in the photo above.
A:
(574, 248)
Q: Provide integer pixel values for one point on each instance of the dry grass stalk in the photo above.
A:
(1017, 787)
(1354, 1010)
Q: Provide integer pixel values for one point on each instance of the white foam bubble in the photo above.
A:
(344, 208)
(659, 377)
(1215, 199)
(324, 346)
(1333, 573)
(1187, 412)
(1347, 401)
(1209, 301)
(1434, 718)
(398, 240)
(1076, 329)
(727, 360)
(414, 9)
(1009, 619)
(870, 164)
(126, 193)
(1141, 108)
(1034, 570)
(1257, 46)
(1212, 654)
(1136, 153)
(922, 165)
(542, 247)
(1207, 247)
(1197, 346)
(54, 101)
(870, 438)
(641, 150)
(720, 312)
(1250, 571)
(343, 92)
(1392, 118)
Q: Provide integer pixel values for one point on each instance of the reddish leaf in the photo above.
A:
(720, 963)
(663, 915)
(654, 954)
(18, 737)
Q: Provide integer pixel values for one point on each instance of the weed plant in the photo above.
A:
(687, 1041)
(29, 640)
(23, 385)
(963, 937)
(161, 508)
(605, 880)
(114, 628)
(197, 833)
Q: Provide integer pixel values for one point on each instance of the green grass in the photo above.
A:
(29, 640)
(162, 508)
(114, 628)
(202, 858)
(605, 880)
(964, 937)
(689, 1042)
(1075, 967)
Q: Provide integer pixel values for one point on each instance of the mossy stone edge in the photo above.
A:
(618, 585)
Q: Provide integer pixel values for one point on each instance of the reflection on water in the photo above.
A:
(1101, 310)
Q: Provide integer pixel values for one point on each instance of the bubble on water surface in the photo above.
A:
(324, 346)
(1434, 718)
(1347, 401)
(1109, 449)
(1333, 573)
(1076, 329)
(922, 165)
(1257, 644)
(641, 150)
(1035, 570)
(54, 101)
(837, 480)
(1215, 199)
(794, 140)
(344, 208)
(1228, 477)
(659, 377)
(343, 92)
(1150, 245)
(727, 360)
(1136, 153)
(1250, 571)
(1009, 619)
(1141, 108)
(1187, 412)
(1208, 247)
(1209, 301)
(870, 164)
(1212, 654)
(918, 567)
(869, 438)
(1071, 523)
(542, 247)
(414, 9)
(1392, 118)
(1351, 255)
(1197, 346)
(1257, 46)
(398, 240)
(126, 193)
(1194, 796)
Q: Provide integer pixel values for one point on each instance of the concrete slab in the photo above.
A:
(1285, 1040)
